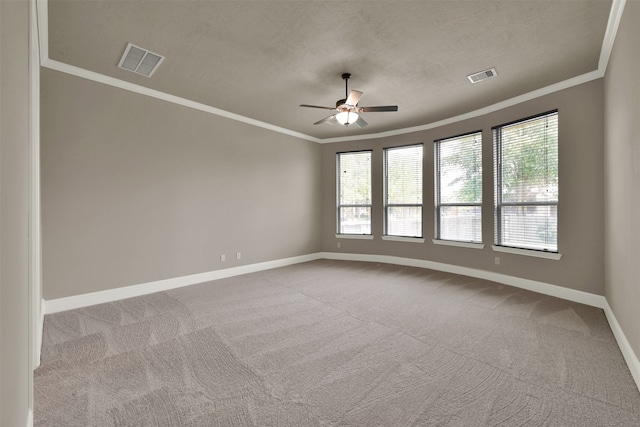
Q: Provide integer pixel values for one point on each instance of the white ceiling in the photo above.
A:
(261, 59)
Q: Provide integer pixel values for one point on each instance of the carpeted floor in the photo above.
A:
(334, 343)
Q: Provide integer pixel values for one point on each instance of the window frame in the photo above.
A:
(339, 206)
(498, 160)
(437, 196)
(388, 205)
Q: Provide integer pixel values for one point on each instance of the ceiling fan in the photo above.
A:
(347, 110)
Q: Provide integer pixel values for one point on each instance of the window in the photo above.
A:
(403, 191)
(458, 188)
(354, 192)
(526, 183)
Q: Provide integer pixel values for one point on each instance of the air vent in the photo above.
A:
(140, 60)
(482, 75)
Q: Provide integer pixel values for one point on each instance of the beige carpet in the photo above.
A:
(332, 343)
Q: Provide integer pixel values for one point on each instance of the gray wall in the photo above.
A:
(136, 189)
(622, 177)
(581, 213)
(14, 212)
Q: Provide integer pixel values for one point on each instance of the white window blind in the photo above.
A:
(354, 192)
(458, 188)
(526, 183)
(403, 191)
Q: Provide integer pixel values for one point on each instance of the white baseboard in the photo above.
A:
(39, 332)
(85, 300)
(625, 347)
(100, 297)
(599, 301)
(531, 285)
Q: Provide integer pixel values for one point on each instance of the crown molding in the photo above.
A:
(615, 15)
(45, 61)
(142, 90)
(42, 23)
(617, 7)
(578, 80)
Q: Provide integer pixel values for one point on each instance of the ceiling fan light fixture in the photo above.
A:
(347, 109)
(347, 117)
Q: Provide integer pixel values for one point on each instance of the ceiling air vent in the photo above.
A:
(140, 60)
(482, 75)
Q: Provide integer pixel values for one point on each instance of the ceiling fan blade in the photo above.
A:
(354, 97)
(317, 106)
(331, 120)
(378, 109)
(360, 122)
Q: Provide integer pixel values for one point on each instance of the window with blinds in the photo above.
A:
(526, 183)
(403, 191)
(458, 188)
(354, 192)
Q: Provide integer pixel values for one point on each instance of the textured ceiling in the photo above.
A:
(261, 59)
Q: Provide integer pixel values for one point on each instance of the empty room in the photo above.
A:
(320, 213)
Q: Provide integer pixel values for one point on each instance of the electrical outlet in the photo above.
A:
(339, 245)
(223, 258)
(497, 260)
(238, 255)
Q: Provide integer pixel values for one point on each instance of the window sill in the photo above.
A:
(355, 236)
(527, 252)
(469, 245)
(403, 239)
